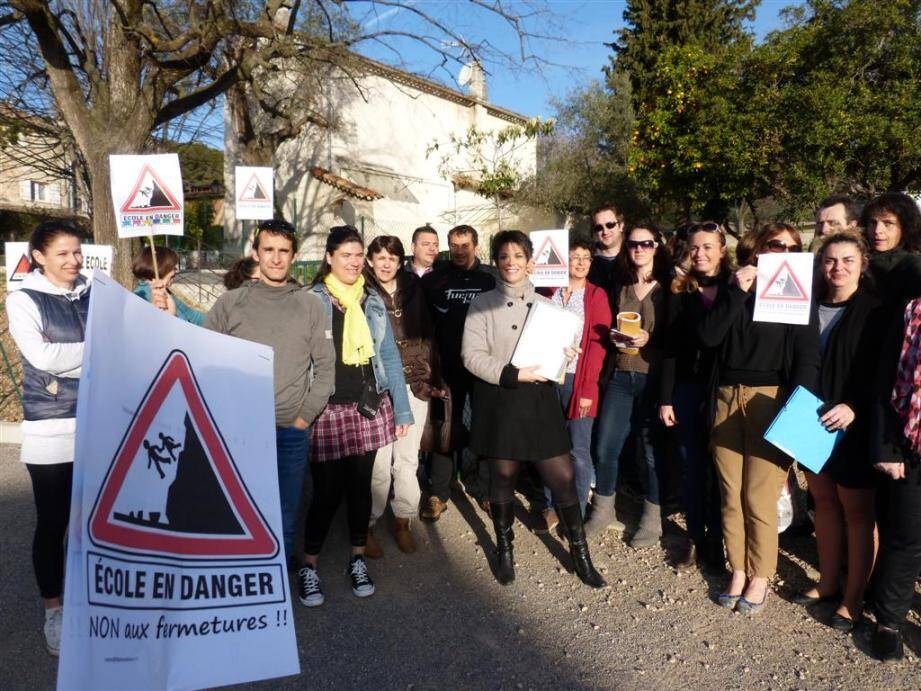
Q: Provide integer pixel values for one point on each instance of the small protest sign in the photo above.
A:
(551, 258)
(16, 262)
(16, 259)
(173, 552)
(147, 195)
(784, 288)
(254, 193)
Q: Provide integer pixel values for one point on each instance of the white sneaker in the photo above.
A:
(308, 584)
(53, 619)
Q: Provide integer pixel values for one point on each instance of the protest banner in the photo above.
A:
(551, 258)
(175, 573)
(16, 259)
(254, 193)
(784, 288)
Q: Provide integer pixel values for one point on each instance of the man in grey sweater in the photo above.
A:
(279, 313)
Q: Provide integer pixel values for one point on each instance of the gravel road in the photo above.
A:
(440, 620)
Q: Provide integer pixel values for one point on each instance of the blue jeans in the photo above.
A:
(701, 492)
(627, 406)
(292, 446)
(580, 439)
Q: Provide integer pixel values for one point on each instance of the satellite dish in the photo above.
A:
(466, 75)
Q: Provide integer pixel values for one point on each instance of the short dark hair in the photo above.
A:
(387, 243)
(276, 226)
(45, 233)
(464, 230)
(338, 236)
(609, 206)
(581, 243)
(851, 206)
(510, 237)
(143, 267)
(905, 209)
(424, 229)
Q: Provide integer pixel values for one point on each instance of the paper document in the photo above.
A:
(798, 432)
(547, 331)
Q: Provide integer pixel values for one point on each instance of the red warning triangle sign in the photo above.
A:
(208, 513)
(149, 194)
(22, 269)
(549, 255)
(784, 285)
(254, 191)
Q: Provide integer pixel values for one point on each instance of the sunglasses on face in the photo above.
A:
(610, 225)
(637, 244)
(781, 246)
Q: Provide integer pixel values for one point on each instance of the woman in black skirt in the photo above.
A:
(516, 414)
(844, 492)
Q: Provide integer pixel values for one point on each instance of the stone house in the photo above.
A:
(375, 171)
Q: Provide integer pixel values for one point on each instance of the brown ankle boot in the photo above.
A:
(372, 548)
(403, 535)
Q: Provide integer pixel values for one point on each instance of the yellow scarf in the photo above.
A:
(357, 344)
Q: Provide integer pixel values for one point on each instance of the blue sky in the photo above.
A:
(583, 25)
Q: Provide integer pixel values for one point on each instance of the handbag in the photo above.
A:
(436, 434)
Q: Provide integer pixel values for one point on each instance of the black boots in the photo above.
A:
(571, 518)
(503, 516)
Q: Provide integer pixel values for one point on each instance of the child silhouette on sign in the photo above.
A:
(153, 456)
(169, 445)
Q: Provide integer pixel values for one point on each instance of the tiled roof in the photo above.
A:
(347, 186)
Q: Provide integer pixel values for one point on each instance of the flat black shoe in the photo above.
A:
(841, 623)
(887, 643)
(803, 599)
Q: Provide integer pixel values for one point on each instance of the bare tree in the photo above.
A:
(120, 69)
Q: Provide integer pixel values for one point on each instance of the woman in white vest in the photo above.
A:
(47, 319)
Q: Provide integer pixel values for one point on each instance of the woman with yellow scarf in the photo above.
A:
(368, 409)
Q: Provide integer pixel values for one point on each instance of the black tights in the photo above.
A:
(351, 475)
(556, 473)
(51, 487)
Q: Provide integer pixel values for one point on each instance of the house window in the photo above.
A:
(38, 191)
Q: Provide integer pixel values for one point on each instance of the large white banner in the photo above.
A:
(784, 287)
(176, 574)
(147, 194)
(551, 258)
(254, 193)
(16, 259)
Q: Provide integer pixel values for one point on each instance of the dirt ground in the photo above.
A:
(10, 407)
(439, 619)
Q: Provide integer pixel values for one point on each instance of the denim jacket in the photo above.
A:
(386, 363)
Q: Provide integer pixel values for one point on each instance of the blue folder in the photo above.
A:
(798, 432)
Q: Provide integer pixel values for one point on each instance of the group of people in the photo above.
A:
(393, 377)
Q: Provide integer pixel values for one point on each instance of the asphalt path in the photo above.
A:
(440, 620)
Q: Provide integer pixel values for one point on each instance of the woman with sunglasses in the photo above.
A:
(892, 224)
(683, 393)
(757, 365)
(642, 272)
(844, 491)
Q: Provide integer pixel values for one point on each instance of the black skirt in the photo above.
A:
(521, 424)
(849, 464)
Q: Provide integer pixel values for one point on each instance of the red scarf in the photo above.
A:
(906, 396)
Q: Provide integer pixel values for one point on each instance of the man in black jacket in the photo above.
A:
(608, 231)
(448, 290)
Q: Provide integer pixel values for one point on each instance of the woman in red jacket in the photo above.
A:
(579, 393)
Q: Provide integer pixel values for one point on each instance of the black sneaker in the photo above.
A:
(362, 585)
(308, 584)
